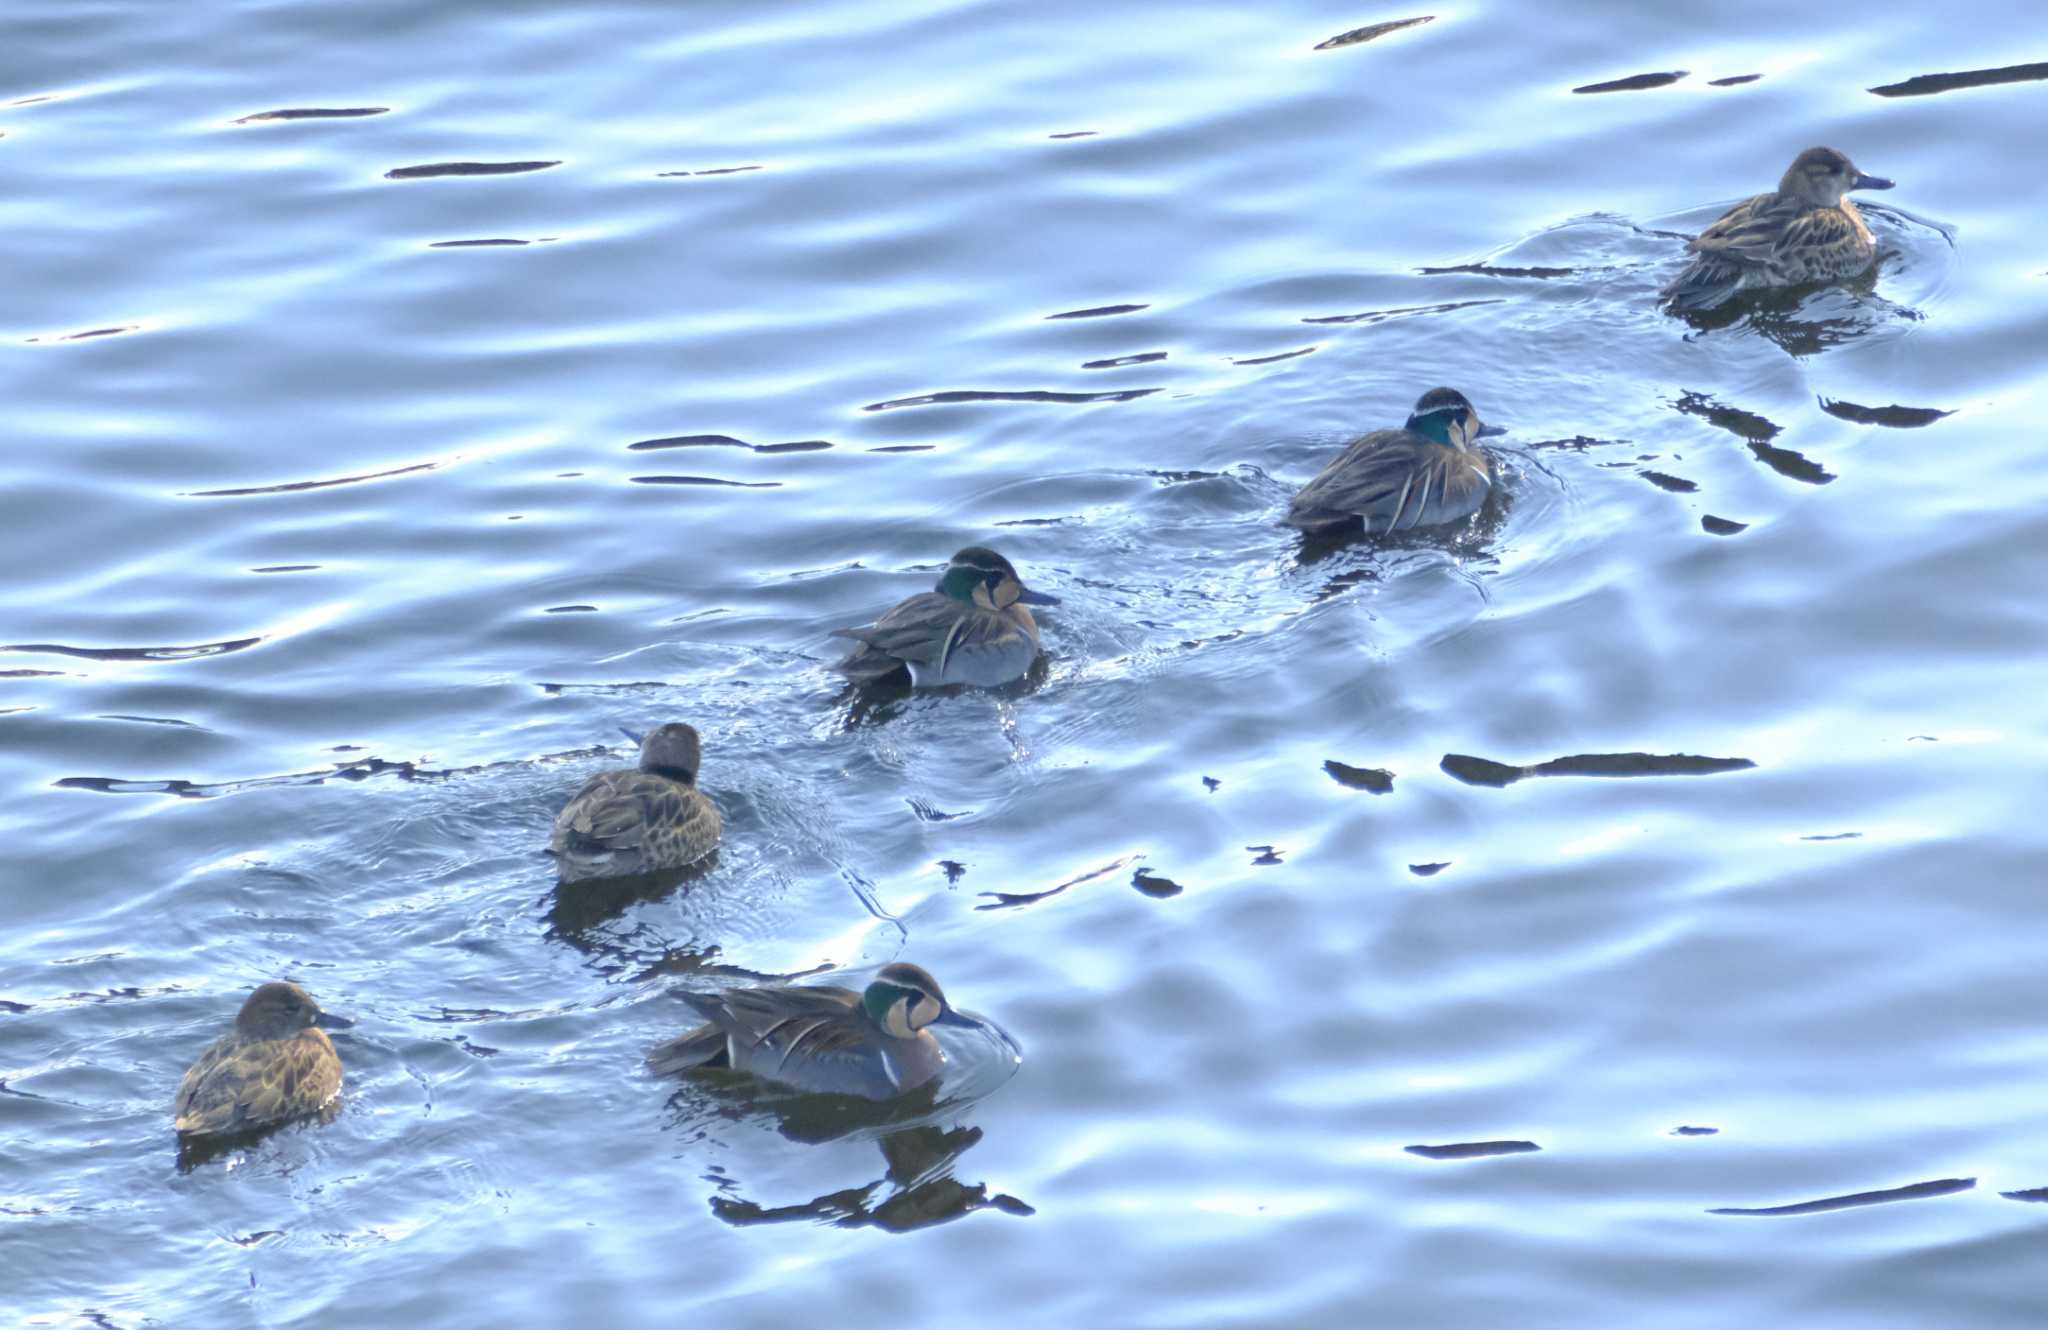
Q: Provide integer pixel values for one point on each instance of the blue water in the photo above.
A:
(336, 569)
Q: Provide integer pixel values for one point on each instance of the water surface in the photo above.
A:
(403, 398)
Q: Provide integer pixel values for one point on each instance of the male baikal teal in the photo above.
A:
(1426, 473)
(875, 1043)
(974, 627)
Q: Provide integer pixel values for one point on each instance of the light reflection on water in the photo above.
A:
(362, 485)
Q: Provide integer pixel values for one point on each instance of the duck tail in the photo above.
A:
(866, 663)
(701, 1047)
(1705, 283)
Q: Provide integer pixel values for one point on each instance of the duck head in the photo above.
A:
(1444, 415)
(670, 750)
(280, 1010)
(1820, 176)
(980, 576)
(904, 998)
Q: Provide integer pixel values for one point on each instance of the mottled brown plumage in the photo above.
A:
(820, 1037)
(1428, 472)
(647, 819)
(1804, 231)
(272, 1067)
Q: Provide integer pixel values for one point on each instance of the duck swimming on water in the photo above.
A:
(1805, 230)
(974, 627)
(1425, 473)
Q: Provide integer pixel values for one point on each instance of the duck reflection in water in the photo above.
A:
(578, 909)
(917, 1188)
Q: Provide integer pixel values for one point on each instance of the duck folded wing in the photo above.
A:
(914, 630)
(1823, 243)
(1391, 482)
(611, 814)
(1748, 233)
(255, 1084)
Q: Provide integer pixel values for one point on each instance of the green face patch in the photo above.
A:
(960, 581)
(1437, 424)
(879, 997)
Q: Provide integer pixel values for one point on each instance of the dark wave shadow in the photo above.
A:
(1499, 775)
(1913, 1192)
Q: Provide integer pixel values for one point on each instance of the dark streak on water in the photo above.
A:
(707, 480)
(1373, 780)
(1893, 416)
(136, 653)
(1484, 771)
(1473, 1149)
(1034, 395)
(1273, 359)
(313, 113)
(1928, 84)
(432, 170)
(1636, 82)
(1383, 315)
(1098, 312)
(1913, 1192)
(727, 441)
(1371, 31)
(1665, 481)
(295, 486)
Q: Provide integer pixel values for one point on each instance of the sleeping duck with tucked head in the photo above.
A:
(974, 627)
(1806, 230)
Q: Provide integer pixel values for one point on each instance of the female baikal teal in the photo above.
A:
(1804, 231)
(1425, 473)
(821, 1038)
(972, 628)
(644, 819)
(272, 1067)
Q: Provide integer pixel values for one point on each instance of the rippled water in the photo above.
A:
(404, 397)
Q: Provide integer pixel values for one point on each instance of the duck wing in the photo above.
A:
(915, 630)
(1824, 242)
(1747, 233)
(239, 1084)
(1393, 480)
(628, 821)
(816, 1020)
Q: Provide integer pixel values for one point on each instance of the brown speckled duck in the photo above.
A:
(1428, 472)
(272, 1067)
(644, 819)
(1804, 231)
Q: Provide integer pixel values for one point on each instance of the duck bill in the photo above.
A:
(1870, 182)
(952, 1017)
(1491, 431)
(1029, 597)
(637, 739)
(327, 1020)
